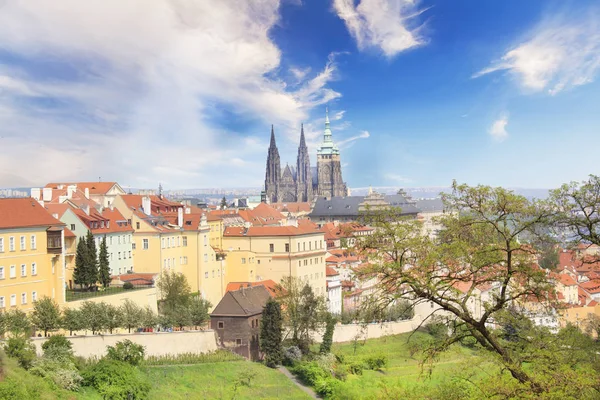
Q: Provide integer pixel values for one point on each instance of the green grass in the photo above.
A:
(193, 358)
(74, 296)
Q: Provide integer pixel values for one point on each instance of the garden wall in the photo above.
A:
(157, 343)
(141, 297)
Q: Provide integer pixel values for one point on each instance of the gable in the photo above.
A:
(228, 306)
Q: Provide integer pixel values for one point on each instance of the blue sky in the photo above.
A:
(184, 92)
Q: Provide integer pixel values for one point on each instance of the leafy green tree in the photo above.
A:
(94, 316)
(149, 319)
(174, 290)
(22, 349)
(72, 320)
(46, 315)
(113, 317)
(591, 325)
(304, 311)
(271, 333)
(179, 315)
(126, 351)
(133, 315)
(199, 311)
(117, 380)
(3, 322)
(103, 265)
(480, 245)
(17, 323)
(328, 334)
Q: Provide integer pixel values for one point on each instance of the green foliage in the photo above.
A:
(94, 316)
(61, 371)
(86, 262)
(57, 342)
(72, 320)
(271, 333)
(193, 358)
(328, 334)
(149, 318)
(103, 264)
(376, 362)
(291, 355)
(310, 372)
(326, 387)
(356, 367)
(402, 310)
(437, 328)
(198, 309)
(117, 380)
(128, 286)
(132, 315)
(46, 315)
(21, 349)
(174, 290)
(113, 317)
(126, 351)
(223, 204)
(17, 323)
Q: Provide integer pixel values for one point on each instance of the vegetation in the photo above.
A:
(132, 314)
(21, 349)
(126, 351)
(16, 322)
(193, 358)
(174, 290)
(271, 333)
(103, 265)
(328, 334)
(86, 262)
(72, 320)
(117, 380)
(46, 315)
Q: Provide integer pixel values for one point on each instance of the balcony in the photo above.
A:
(54, 241)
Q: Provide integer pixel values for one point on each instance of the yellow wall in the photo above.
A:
(48, 277)
(241, 266)
(303, 249)
(576, 315)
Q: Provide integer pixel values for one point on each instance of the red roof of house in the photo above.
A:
(93, 187)
(330, 271)
(24, 212)
(291, 207)
(268, 231)
(591, 287)
(567, 280)
(269, 284)
(69, 233)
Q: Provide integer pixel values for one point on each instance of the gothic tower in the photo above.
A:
(273, 173)
(304, 184)
(329, 168)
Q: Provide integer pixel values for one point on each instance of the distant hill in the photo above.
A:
(432, 192)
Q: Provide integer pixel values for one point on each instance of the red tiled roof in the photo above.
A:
(94, 187)
(24, 212)
(291, 207)
(267, 231)
(591, 287)
(269, 284)
(567, 280)
(330, 271)
(58, 209)
(69, 233)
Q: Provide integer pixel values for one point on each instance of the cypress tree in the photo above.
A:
(271, 333)
(79, 273)
(103, 270)
(328, 335)
(91, 276)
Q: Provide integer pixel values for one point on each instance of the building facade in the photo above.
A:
(303, 183)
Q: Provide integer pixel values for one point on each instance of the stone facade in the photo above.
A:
(299, 185)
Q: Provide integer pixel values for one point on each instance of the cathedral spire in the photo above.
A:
(302, 140)
(327, 135)
(273, 144)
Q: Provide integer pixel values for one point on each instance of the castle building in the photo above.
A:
(303, 183)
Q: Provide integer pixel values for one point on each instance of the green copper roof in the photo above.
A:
(327, 146)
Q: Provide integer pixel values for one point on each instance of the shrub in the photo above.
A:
(128, 286)
(62, 372)
(340, 372)
(193, 358)
(328, 335)
(292, 355)
(437, 328)
(356, 368)
(376, 362)
(57, 341)
(21, 349)
(326, 362)
(116, 380)
(325, 387)
(126, 351)
(310, 372)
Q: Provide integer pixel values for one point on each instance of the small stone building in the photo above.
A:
(236, 320)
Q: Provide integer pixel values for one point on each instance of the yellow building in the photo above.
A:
(279, 251)
(32, 254)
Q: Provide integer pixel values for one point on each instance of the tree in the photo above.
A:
(103, 265)
(179, 315)
(548, 257)
(113, 317)
(133, 315)
(92, 260)
(94, 316)
(479, 246)
(271, 333)
(149, 318)
(17, 323)
(174, 289)
(199, 311)
(328, 334)
(72, 320)
(223, 203)
(81, 267)
(591, 325)
(46, 314)
(303, 310)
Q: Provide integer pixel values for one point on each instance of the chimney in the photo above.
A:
(87, 193)
(146, 205)
(70, 190)
(180, 216)
(47, 193)
(36, 193)
(111, 207)
(188, 210)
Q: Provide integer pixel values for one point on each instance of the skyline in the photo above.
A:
(419, 93)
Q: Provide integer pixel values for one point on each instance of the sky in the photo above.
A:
(184, 92)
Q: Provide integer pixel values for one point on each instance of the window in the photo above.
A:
(315, 244)
(23, 298)
(111, 240)
(1, 245)
(271, 247)
(145, 244)
(162, 243)
(119, 239)
(172, 242)
(1, 272)
(243, 260)
(33, 297)
(101, 224)
(23, 270)
(119, 255)
(303, 246)
(213, 273)
(287, 247)
(22, 243)
(309, 245)
(2, 304)
(205, 257)
(185, 241)
(33, 242)
(205, 241)
(220, 325)
(178, 241)
(129, 253)
(137, 225)
(13, 271)
(11, 243)
(13, 300)
(238, 342)
(206, 274)
(299, 263)
(133, 246)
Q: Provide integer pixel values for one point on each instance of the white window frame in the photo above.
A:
(2, 272)
(33, 242)
(13, 300)
(11, 243)
(24, 298)
(145, 244)
(33, 296)
(1, 245)
(22, 243)
(2, 302)
(23, 270)
(13, 271)
(33, 269)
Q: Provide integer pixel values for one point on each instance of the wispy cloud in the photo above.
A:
(136, 103)
(397, 178)
(388, 25)
(498, 129)
(557, 54)
(348, 141)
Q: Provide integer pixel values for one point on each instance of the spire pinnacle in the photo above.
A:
(302, 139)
(327, 115)
(273, 144)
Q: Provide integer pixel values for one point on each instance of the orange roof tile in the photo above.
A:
(269, 284)
(567, 280)
(24, 212)
(268, 231)
(330, 271)
(591, 287)
(291, 207)
(69, 233)
(93, 187)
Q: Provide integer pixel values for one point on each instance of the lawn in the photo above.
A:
(72, 295)
(215, 381)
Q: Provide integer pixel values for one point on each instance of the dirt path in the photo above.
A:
(291, 377)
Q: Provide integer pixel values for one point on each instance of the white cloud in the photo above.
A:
(348, 141)
(556, 55)
(384, 24)
(498, 129)
(142, 90)
(397, 178)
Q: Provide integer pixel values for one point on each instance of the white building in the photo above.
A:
(334, 291)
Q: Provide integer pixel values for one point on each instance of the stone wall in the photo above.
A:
(156, 343)
(141, 297)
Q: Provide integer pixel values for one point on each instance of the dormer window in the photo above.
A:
(107, 224)
(102, 224)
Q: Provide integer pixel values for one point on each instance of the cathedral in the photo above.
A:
(303, 183)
